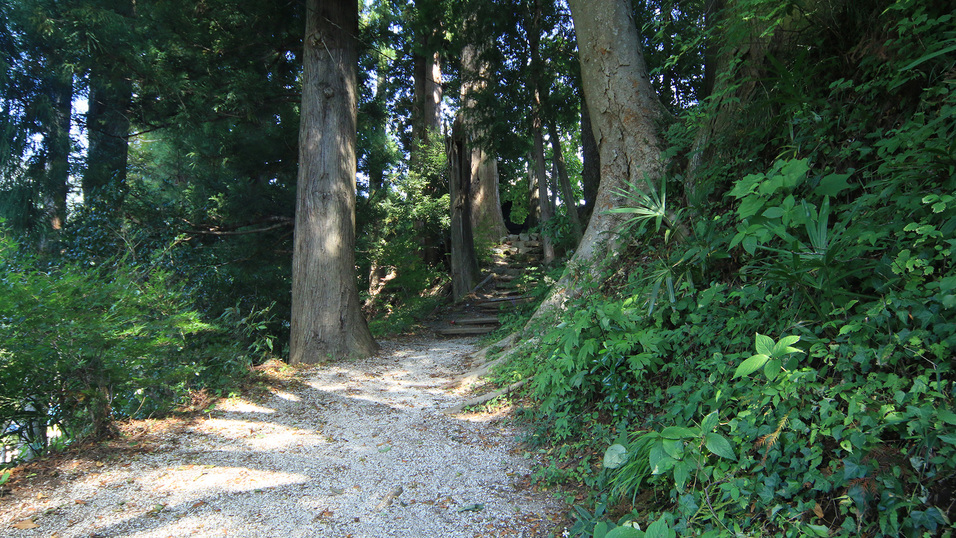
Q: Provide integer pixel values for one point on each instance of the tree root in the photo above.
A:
(486, 397)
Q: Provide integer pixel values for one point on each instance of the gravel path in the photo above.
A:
(360, 449)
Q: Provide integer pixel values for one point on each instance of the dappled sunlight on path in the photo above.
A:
(358, 448)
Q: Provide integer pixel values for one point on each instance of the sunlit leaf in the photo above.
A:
(751, 365)
(615, 456)
(763, 344)
(719, 445)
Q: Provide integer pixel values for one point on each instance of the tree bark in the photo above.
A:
(426, 115)
(570, 202)
(537, 128)
(464, 260)
(541, 178)
(487, 219)
(107, 123)
(58, 149)
(327, 319)
(591, 163)
(624, 113)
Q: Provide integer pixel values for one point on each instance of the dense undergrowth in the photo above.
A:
(85, 345)
(775, 356)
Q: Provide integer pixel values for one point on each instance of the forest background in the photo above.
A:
(753, 311)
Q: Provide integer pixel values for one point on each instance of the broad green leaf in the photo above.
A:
(750, 206)
(719, 445)
(659, 529)
(746, 185)
(784, 346)
(615, 456)
(751, 365)
(818, 530)
(794, 172)
(750, 244)
(673, 448)
(763, 344)
(832, 184)
(948, 438)
(774, 212)
(600, 530)
(710, 422)
(659, 461)
(771, 369)
(682, 470)
(946, 416)
(625, 532)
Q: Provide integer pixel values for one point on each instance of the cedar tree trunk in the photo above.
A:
(623, 110)
(327, 319)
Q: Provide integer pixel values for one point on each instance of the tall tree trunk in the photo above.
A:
(570, 202)
(327, 319)
(58, 149)
(711, 47)
(464, 260)
(426, 116)
(107, 123)
(487, 219)
(624, 113)
(619, 93)
(537, 128)
(541, 178)
(591, 162)
(534, 208)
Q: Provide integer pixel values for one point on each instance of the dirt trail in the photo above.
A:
(358, 449)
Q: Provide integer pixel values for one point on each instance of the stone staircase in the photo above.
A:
(503, 287)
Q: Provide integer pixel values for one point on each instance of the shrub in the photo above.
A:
(81, 346)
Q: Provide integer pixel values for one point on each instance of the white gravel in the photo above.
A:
(362, 451)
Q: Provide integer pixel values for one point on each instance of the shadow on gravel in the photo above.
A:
(320, 458)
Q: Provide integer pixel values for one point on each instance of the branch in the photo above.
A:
(280, 222)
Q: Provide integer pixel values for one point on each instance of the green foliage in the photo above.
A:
(799, 379)
(80, 347)
(411, 219)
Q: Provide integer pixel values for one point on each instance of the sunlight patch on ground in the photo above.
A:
(198, 481)
(259, 435)
(238, 405)
(286, 395)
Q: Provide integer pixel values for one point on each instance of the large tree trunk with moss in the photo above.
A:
(484, 202)
(327, 319)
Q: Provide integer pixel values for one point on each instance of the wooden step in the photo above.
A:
(482, 320)
(509, 299)
(466, 330)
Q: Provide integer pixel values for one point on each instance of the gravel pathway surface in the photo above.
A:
(357, 449)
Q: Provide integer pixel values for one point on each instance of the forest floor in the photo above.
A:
(347, 449)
